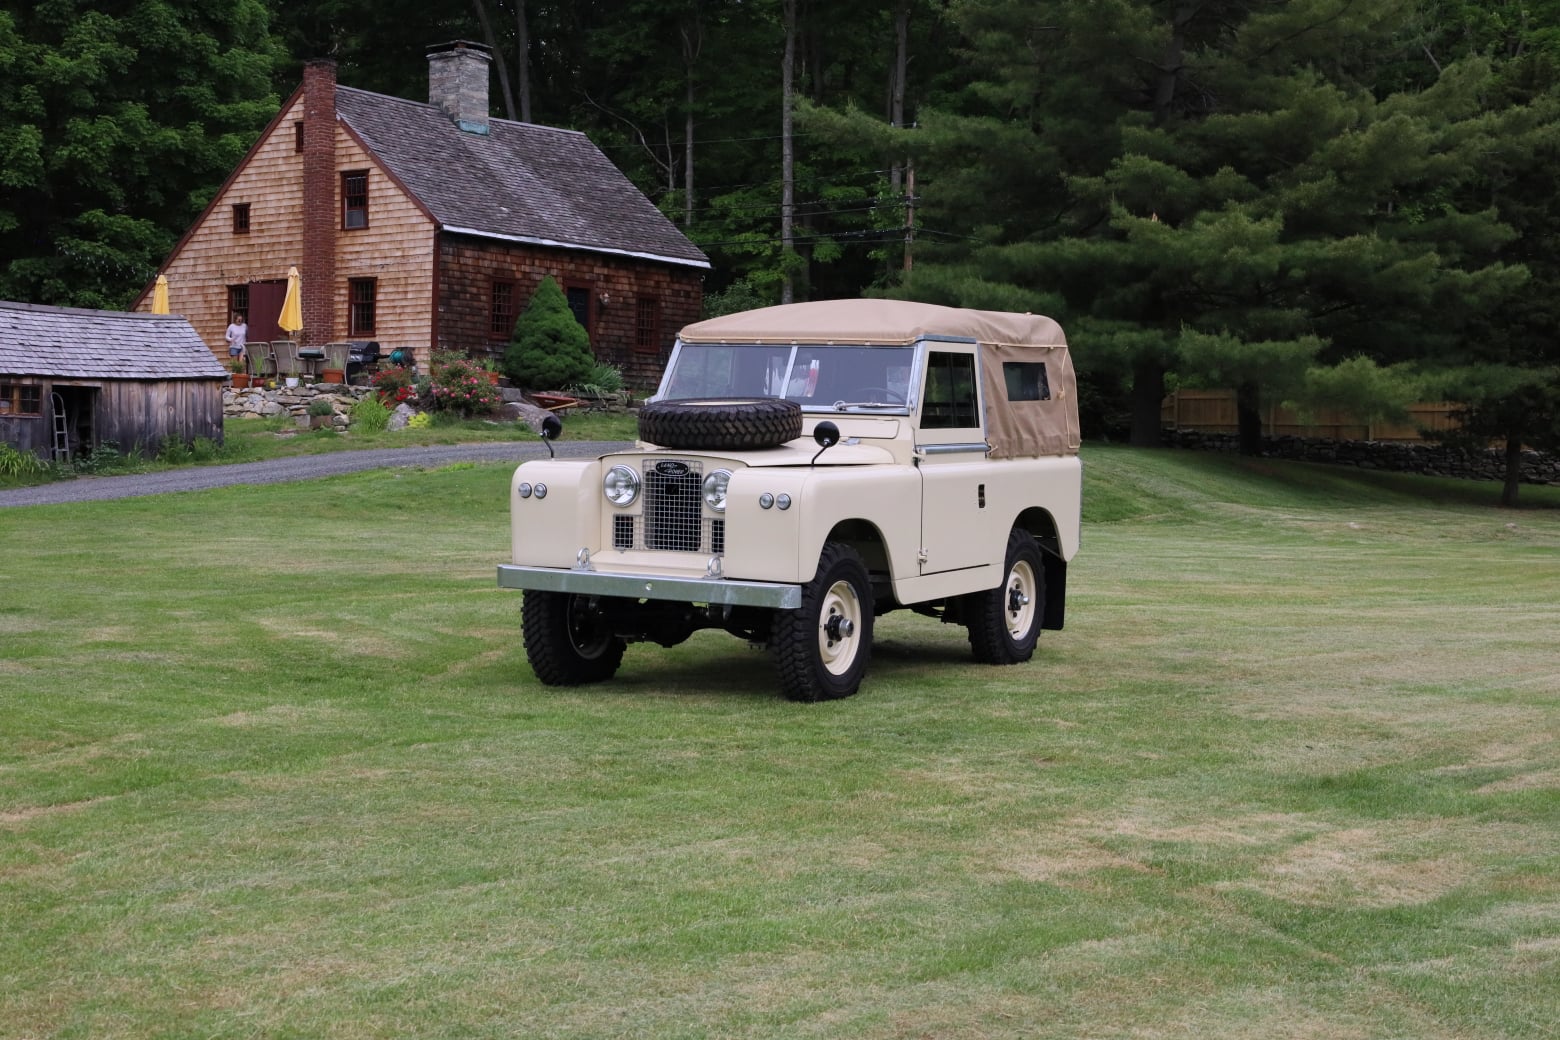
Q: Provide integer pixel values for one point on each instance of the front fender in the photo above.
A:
(551, 531)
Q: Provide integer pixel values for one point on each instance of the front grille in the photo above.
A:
(674, 505)
(622, 532)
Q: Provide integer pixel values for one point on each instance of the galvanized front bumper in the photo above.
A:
(652, 586)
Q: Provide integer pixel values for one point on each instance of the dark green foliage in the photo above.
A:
(120, 123)
(550, 349)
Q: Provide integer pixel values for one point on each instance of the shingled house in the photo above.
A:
(72, 380)
(428, 226)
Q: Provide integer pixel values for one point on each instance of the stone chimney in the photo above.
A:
(321, 218)
(458, 83)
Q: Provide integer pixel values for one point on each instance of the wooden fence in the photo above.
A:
(1213, 411)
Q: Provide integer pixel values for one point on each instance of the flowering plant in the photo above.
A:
(461, 386)
(394, 386)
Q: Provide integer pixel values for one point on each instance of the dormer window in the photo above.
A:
(354, 199)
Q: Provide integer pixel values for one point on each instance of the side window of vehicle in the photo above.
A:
(950, 401)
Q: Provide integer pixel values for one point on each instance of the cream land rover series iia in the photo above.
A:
(802, 470)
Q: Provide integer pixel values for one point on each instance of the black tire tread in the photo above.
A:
(544, 621)
(985, 612)
(793, 637)
(735, 424)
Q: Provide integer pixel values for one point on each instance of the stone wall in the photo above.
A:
(292, 402)
(1426, 458)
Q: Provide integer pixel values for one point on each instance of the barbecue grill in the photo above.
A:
(361, 352)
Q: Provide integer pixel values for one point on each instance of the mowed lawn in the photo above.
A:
(272, 765)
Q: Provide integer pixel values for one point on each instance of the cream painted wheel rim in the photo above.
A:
(1019, 600)
(839, 628)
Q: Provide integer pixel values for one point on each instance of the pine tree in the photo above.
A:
(550, 350)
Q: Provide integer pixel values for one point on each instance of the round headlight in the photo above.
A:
(766, 500)
(523, 490)
(541, 491)
(784, 501)
(715, 489)
(620, 485)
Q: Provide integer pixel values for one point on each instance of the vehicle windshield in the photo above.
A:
(819, 378)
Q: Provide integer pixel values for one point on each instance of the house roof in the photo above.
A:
(518, 182)
(82, 344)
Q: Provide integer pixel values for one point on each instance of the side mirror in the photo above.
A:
(826, 435)
(552, 429)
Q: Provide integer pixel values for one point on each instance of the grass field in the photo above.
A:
(272, 765)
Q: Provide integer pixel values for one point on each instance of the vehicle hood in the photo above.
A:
(799, 452)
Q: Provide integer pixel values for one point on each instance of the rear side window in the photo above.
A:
(1026, 381)
(950, 402)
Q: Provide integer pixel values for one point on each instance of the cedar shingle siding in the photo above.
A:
(450, 211)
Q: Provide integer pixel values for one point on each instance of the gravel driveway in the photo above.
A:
(303, 467)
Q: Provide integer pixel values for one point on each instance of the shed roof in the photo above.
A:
(84, 344)
(519, 181)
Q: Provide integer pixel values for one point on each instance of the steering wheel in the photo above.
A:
(873, 393)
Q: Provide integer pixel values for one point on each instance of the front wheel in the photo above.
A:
(567, 640)
(1004, 623)
(821, 649)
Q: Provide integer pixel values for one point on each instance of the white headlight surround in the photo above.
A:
(715, 486)
(621, 486)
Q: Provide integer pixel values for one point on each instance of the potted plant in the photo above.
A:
(321, 412)
(490, 367)
(239, 377)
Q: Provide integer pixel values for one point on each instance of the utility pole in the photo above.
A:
(909, 210)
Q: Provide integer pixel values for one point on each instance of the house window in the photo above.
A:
(360, 306)
(647, 325)
(501, 321)
(21, 399)
(241, 218)
(298, 136)
(579, 302)
(354, 199)
(238, 302)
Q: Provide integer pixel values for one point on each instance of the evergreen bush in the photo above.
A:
(550, 348)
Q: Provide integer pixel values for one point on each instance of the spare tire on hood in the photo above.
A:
(721, 424)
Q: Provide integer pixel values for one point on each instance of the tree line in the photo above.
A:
(1312, 201)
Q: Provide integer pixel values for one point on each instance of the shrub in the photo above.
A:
(105, 458)
(604, 379)
(17, 463)
(550, 348)
(321, 407)
(371, 414)
(461, 386)
(394, 386)
(420, 421)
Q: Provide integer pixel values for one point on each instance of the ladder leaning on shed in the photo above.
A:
(61, 436)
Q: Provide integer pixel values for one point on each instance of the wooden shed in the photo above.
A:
(72, 380)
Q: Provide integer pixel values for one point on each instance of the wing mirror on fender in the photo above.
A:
(826, 434)
(552, 429)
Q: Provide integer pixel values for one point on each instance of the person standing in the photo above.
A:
(237, 336)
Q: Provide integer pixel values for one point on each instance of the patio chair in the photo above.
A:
(336, 358)
(262, 362)
(287, 363)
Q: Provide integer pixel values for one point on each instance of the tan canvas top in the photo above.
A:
(1013, 428)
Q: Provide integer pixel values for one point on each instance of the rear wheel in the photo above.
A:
(567, 640)
(1004, 623)
(821, 649)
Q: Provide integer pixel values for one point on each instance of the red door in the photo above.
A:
(265, 306)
